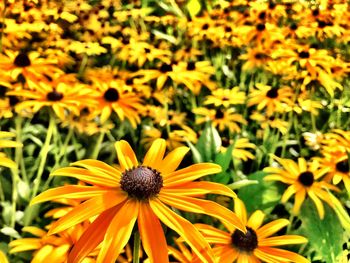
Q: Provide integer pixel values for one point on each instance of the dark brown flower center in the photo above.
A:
(272, 93)
(219, 114)
(111, 95)
(260, 27)
(343, 166)
(306, 178)
(245, 242)
(304, 54)
(191, 65)
(22, 60)
(141, 182)
(54, 95)
(293, 26)
(164, 68)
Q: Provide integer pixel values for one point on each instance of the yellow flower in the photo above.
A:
(3, 258)
(118, 197)
(221, 118)
(256, 244)
(61, 97)
(226, 97)
(273, 99)
(302, 180)
(50, 248)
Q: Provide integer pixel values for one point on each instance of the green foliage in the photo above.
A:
(263, 196)
(325, 236)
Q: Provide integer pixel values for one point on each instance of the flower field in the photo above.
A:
(174, 131)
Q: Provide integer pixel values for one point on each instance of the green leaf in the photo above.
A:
(209, 143)
(262, 196)
(325, 236)
(197, 158)
(193, 7)
(9, 231)
(224, 159)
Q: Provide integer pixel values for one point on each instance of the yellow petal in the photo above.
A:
(256, 219)
(271, 228)
(318, 204)
(34, 231)
(288, 193)
(7, 163)
(152, 235)
(173, 160)
(214, 235)
(185, 229)
(3, 258)
(240, 210)
(90, 177)
(118, 232)
(207, 207)
(282, 240)
(88, 209)
(190, 173)
(155, 154)
(200, 189)
(95, 165)
(281, 255)
(43, 254)
(70, 192)
(126, 155)
(298, 200)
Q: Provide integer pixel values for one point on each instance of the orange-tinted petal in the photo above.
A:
(200, 189)
(92, 236)
(190, 173)
(214, 235)
(185, 229)
(70, 192)
(95, 165)
(282, 240)
(207, 207)
(126, 156)
(90, 177)
(225, 254)
(282, 255)
(88, 209)
(119, 231)
(152, 235)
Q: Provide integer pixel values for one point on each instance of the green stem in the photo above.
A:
(96, 150)
(43, 156)
(2, 196)
(82, 66)
(136, 252)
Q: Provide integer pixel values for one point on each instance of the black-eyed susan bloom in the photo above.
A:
(304, 179)
(118, 197)
(254, 246)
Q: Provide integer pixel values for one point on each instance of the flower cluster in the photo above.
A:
(255, 93)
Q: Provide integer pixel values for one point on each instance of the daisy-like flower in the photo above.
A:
(273, 99)
(53, 248)
(29, 65)
(5, 143)
(118, 197)
(257, 244)
(302, 180)
(118, 97)
(221, 118)
(226, 97)
(60, 97)
(339, 169)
